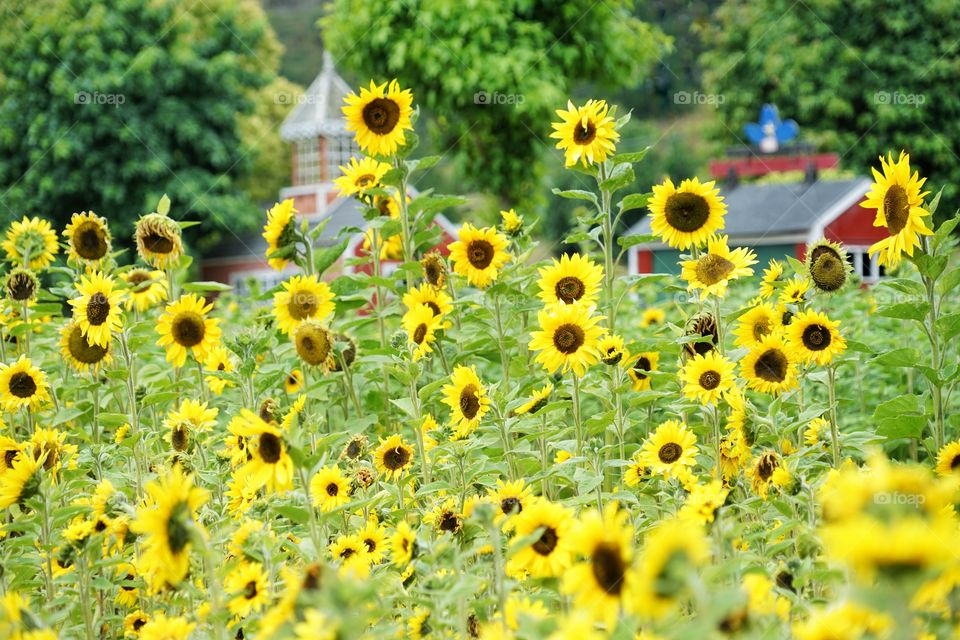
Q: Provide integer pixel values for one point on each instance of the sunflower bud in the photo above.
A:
(828, 266)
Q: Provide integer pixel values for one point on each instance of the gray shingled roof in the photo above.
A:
(756, 211)
(318, 110)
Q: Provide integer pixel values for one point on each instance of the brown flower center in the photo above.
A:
(98, 309)
(469, 402)
(510, 505)
(641, 367)
(396, 458)
(158, 243)
(420, 333)
(896, 209)
(712, 269)
(188, 329)
(83, 351)
(709, 380)
(547, 542)
(90, 241)
(270, 448)
(22, 385)
(670, 453)
(480, 254)
(608, 568)
(302, 304)
(584, 135)
(333, 489)
(250, 590)
(568, 338)
(381, 115)
(767, 464)
(686, 212)
(816, 337)
(771, 366)
(569, 289)
(449, 522)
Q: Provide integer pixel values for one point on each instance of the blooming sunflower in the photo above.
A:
(437, 299)
(31, 243)
(330, 488)
(769, 366)
(567, 338)
(772, 276)
(570, 280)
(713, 270)
(22, 385)
(97, 309)
(434, 269)
(767, 472)
(702, 503)
(896, 196)
(220, 360)
(88, 238)
(828, 266)
(670, 552)
(843, 620)
(302, 298)
(79, 352)
(509, 499)
(706, 377)
(249, 587)
(50, 448)
(393, 456)
(795, 290)
(685, 216)
(270, 465)
(479, 254)
(635, 472)
(403, 544)
(134, 622)
(184, 325)
(551, 553)
(948, 459)
(445, 517)
(379, 116)
(280, 234)
(813, 337)
(159, 241)
(652, 316)
(314, 344)
(612, 350)
(145, 288)
(536, 401)
(756, 324)
(351, 551)
(374, 538)
(166, 519)
(640, 365)
(359, 177)
(586, 134)
(192, 416)
(20, 481)
(670, 448)
(161, 627)
(467, 399)
(421, 325)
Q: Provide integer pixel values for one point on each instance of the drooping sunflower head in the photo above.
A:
(567, 338)
(685, 216)
(280, 233)
(586, 134)
(355, 448)
(360, 177)
(379, 116)
(772, 277)
(467, 398)
(22, 384)
(31, 243)
(714, 269)
(434, 269)
(703, 332)
(184, 326)
(79, 352)
(302, 298)
(159, 240)
(313, 343)
(88, 237)
(393, 456)
(21, 285)
(571, 280)
(828, 266)
(612, 350)
(769, 367)
(813, 337)
(537, 400)
(479, 254)
(344, 352)
(640, 365)
(145, 288)
(896, 196)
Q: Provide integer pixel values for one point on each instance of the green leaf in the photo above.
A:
(163, 207)
(949, 326)
(905, 310)
(904, 426)
(949, 282)
(631, 156)
(905, 357)
(629, 241)
(206, 286)
(944, 231)
(576, 194)
(422, 164)
(293, 513)
(326, 257)
(897, 407)
(430, 204)
(635, 201)
(621, 176)
(931, 266)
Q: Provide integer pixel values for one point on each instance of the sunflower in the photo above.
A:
(31, 243)
(393, 456)
(479, 254)
(21, 285)
(467, 399)
(713, 270)
(190, 417)
(344, 352)
(127, 595)
(359, 177)
(166, 519)
(586, 134)
(948, 458)
(421, 325)
(669, 553)
(612, 350)
(20, 481)
(249, 587)
(756, 324)
(97, 309)
(160, 627)
(439, 302)
(573, 279)
(767, 472)
(670, 448)
(379, 116)
(548, 555)
(50, 448)
(811, 435)
(772, 276)
(351, 551)
(184, 325)
(159, 241)
(702, 334)
(22, 385)
(374, 537)
(134, 622)
(604, 582)
(314, 344)
(769, 366)
(847, 618)
(445, 517)
(652, 316)
(702, 503)
(403, 544)
(146, 288)
(567, 338)
(330, 488)
(511, 223)
(219, 359)
(270, 465)
(640, 365)
(79, 352)
(302, 298)
(706, 377)
(293, 383)
(795, 290)
(536, 401)
(896, 196)
(509, 499)
(685, 216)
(813, 337)
(280, 234)
(9, 451)
(88, 238)
(434, 269)
(828, 266)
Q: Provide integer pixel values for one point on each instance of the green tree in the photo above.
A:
(493, 71)
(106, 106)
(862, 77)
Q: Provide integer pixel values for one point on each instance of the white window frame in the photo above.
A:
(859, 254)
(308, 161)
(340, 149)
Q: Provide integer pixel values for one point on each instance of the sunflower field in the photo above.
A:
(482, 444)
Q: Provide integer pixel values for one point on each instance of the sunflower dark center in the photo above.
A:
(896, 208)
(354, 450)
(510, 505)
(250, 590)
(83, 351)
(816, 337)
(21, 286)
(480, 254)
(771, 366)
(568, 338)
(396, 458)
(608, 568)
(955, 462)
(712, 268)
(9, 456)
(381, 115)
(138, 623)
(371, 544)
(584, 134)
(333, 489)
(828, 272)
(686, 212)
(434, 307)
(158, 243)
(90, 241)
(670, 453)
(469, 402)
(98, 309)
(547, 542)
(433, 272)
(270, 448)
(709, 380)
(188, 329)
(766, 466)
(641, 367)
(178, 533)
(449, 522)
(366, 179)
(136, 279)
(313, 344)
(346, 553)
(180, 437)
(22, 385)
(420, 333)
(761, 328)
(302, 304)
(569, 289)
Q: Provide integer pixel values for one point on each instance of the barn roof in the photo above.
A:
(318, 110)
(771, 213)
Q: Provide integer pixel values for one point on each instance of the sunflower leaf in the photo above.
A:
(905, 310)
(576, 194)
(635, 201)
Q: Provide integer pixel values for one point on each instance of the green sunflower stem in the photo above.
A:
(132, 403)
(834, 430)
(936, 354)
(407, 229)
(544, 483)
(213, 584)
(609, 261)
(504, 356)
(418, 432)
(86, 606)
(718, 440)
(578, 426)
(314, 529)
(45, 535)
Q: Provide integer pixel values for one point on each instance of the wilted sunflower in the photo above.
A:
(706, 377)
(756, 324)
(79, 352)
(98, 307)
(270, 465)
(145, 288)
(359, 177)
(434, 269)
(379, 116)
(313, 343)
(652, 316)
(479, 254)
(549, 555)
(570, 280)
(166, 519)
(769, 367)
(795, 290)
(511, 223)
(20, 481)
(640, 365)
(393, 456)
(685, 216)
(248, 586)
(567, 338)
(772, 276)
(184, 325)
(896, 196)
(344, 352)
(586, 134)
(22, 385)
(88, 238)
(421, 325)
(302, 298)
(280, 234)
(670, 553)
(219, 359)
(611, 349)
(31, 243)
(330, 488)
(713, 270)
(702, 325)
(437, 299)
(813, 337)
(467, 399)
(828, 266)
(670, 448)
(21, 285)
(159, 241)
(536, 401)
